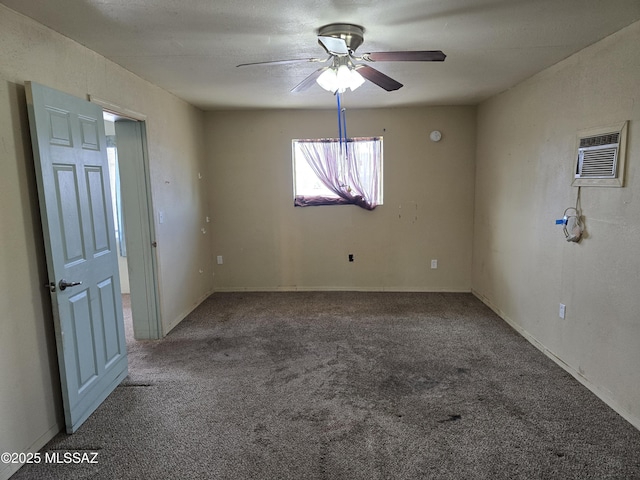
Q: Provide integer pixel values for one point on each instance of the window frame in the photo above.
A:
(367, 192)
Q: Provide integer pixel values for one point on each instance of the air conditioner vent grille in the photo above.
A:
(601, 156)
(599, 140)
(598, 163)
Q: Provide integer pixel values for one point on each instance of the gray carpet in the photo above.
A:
(346, 385)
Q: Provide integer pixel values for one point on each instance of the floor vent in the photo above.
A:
(601, 153)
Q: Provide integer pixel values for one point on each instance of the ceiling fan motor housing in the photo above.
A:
(353, 35)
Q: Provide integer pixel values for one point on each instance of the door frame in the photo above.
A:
(144, 289)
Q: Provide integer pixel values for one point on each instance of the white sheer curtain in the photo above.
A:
(352, 169)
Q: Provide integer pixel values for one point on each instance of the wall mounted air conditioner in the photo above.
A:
(601, 156)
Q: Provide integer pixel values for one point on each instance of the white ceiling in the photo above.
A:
(192, 47)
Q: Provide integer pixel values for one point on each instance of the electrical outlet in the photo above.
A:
(434, 263)
(562, 311)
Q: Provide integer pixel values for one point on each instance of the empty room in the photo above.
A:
(339, 240)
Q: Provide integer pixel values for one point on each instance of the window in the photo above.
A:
(333, 172)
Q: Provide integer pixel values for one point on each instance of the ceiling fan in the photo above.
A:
(340, 40)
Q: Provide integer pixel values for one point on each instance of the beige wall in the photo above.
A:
(268, 244)
(30, 407)
(522, 265)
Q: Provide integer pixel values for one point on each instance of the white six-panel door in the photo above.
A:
(75, 203)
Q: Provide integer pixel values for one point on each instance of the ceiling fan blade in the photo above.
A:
(309, 81)
(410, 56)
(284, 62)
(379, 78)
(334, 45)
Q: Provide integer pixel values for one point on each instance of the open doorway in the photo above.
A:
(133, 218)
(118, 220)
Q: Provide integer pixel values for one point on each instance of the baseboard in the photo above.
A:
(600, 392)
(339, 289)
(6, 470)
(174, 323)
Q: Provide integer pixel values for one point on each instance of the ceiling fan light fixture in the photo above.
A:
(340, 79)
(355, 79)
(328, 80)
(343, 76)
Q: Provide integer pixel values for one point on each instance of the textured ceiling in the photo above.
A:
(192, 47)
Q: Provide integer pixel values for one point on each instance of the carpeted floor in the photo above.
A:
(343, 385)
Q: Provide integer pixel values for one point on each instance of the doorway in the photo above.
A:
(133, 218)
(118, 220)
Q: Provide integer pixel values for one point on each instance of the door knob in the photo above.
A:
(63, 284)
